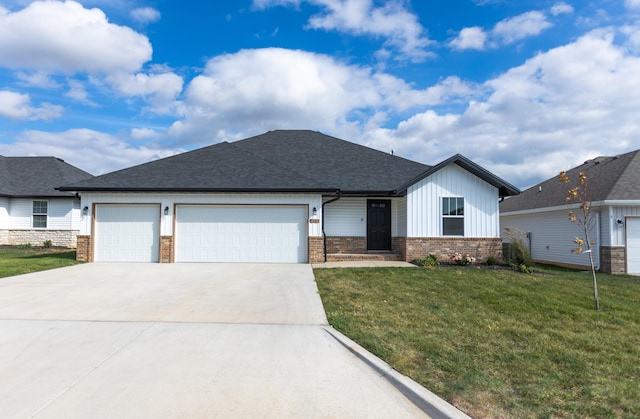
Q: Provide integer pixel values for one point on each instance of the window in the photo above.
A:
(40, 214)
(453, 216)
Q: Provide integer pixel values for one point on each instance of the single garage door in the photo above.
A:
(633, 246)
(241, 233)
(127, 233)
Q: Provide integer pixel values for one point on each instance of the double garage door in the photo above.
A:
(203, 233)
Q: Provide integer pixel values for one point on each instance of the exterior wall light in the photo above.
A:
(314, 211)
(166, 210)
(85, 210)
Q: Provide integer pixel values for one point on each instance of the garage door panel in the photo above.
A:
(633, 245)
(219, 233)
(127, 233)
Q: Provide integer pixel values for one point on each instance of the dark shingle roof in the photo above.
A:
(37, 176)
(609, 178)
(290, 160)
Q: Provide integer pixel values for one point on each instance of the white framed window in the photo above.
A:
(452, 216)
(40, 209)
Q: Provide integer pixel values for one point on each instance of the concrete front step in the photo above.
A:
(348, 257)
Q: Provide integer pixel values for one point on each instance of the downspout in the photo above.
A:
(324, 235)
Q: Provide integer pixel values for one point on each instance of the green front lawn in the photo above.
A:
(497, 343)
(16, 261)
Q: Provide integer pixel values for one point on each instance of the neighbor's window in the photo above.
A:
(453, 216)
(40, 214)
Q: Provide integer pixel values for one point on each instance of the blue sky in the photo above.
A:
(524, 88)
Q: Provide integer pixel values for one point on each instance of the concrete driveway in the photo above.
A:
(180, 341)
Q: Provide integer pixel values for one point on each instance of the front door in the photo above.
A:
(378, 224)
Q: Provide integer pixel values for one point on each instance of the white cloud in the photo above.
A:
(470, 38)
(561, 8)
(90, 150)
(400, 28)
(143, 133)
(18, 106)
(41, 80)
(51, 36)
(518, 27)
(632, 4)
(551, 113)
(159, 89)
(259, 90)
(145, 15)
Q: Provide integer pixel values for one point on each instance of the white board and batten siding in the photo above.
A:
(4, 213)
(424, 204)
(347, 217)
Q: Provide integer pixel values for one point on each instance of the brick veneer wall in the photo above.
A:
(83, 251)
(4, 237)
(399, 247)
(59, 238)
(166, 249)
(315, 249)
(613, 260)
(445, 247)
(349, 245)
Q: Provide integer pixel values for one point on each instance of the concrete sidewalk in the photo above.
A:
(364, 264)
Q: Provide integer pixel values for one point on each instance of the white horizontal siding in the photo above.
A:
(59, 214)
(552, 236)
(170, 200)
(424, 201)
(4, 213)
(347, 217)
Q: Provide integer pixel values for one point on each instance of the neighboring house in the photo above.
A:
(614, 192)
(31, 209)
(290, 196)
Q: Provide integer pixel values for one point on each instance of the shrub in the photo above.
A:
(491, 260)
(47, 243)
(431, 260)
(463, 260)
(519, 253)
(24, 246)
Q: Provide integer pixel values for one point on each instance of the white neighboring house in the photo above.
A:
(614, 192)
(294, 197)
(31, 209)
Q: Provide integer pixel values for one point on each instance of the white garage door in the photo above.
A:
(242, 233)
(127, 233)
(633, 246)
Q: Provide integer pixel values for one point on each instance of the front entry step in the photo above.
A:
(349, 257)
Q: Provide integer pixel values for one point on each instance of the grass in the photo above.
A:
(497, 343)
(21, 260)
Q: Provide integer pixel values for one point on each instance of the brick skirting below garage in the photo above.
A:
(444, 248)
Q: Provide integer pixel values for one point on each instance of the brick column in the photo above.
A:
(315, 250)
(83, 249)
(166, 249)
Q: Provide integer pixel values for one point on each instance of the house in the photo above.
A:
(290, 196)
(614, 192)
(31, 209)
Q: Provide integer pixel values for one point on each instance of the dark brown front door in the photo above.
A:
(378, 224)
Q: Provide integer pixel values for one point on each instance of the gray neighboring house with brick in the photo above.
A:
(290, 197)
(31, 209)
(614, 185)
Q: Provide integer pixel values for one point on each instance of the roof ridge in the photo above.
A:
(274, 162)
(624, 172)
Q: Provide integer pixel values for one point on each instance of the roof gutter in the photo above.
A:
(324, 235)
